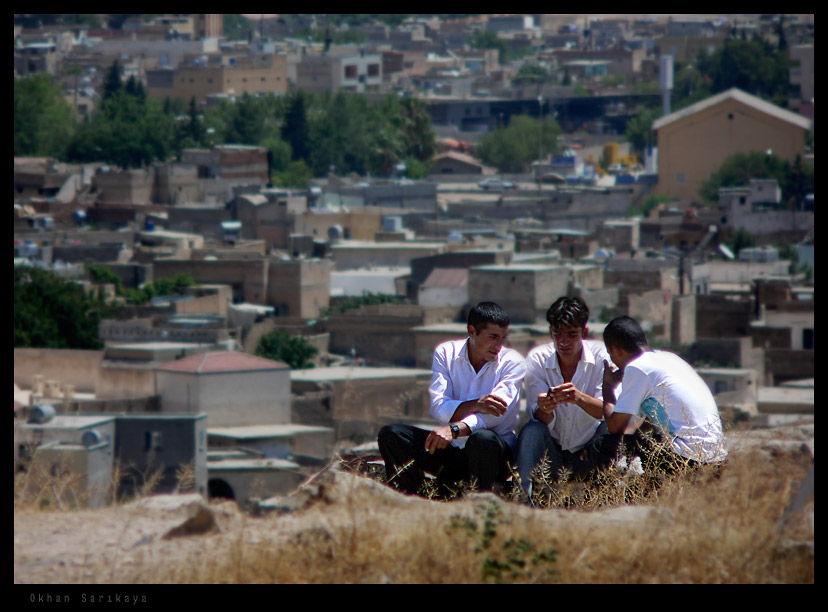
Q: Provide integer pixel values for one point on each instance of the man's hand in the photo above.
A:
(546, 407)
(438, 439)
(566, 393)
(611, 379)
(490, 404)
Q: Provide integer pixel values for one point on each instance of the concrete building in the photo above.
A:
(525, 291)
(758, 209)
(299, 287)
(85, 450)
(455, 162)
(231, 388)
(694, 141)
(444, 287)
(380, 280)
(357, 73)
(802, 76)
(351, 254)
(360, 400)
(255, 74)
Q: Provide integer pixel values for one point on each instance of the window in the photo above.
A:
(350, 72)
(152, 441)
(681, 177)
(373, 70)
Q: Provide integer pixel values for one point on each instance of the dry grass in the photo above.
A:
(684, 528)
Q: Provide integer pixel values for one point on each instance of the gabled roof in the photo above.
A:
(218, 362)
(740, 96)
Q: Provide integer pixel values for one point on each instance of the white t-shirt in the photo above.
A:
(571, 426)
(454, 381)
(668, 392)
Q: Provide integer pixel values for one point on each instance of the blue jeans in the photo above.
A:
(535, 441)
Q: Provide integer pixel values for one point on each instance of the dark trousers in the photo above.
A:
(484, 459)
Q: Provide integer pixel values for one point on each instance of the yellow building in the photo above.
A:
(694, 141)
(266, 73)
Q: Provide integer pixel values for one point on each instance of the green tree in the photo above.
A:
(738, 169)
(295, 351)
(530, 73)
(236, 27)
(513, 148)
(113, 85)
(741, 239)
(639, 130)
(50, 312)
(295, 126)
(295, 174)
(753, 66)
(128, 130)
(43, 120)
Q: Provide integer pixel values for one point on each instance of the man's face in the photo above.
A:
(486, 343)
(568, 341)
(619, 357)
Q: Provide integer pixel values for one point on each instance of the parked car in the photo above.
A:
(496, 183)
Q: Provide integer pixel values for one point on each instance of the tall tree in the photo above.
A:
(295, 127)
(50, 312)
(43, 120)
(113, 85)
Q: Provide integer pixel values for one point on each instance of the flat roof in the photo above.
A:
(254, 432)
(338, 373)
(64, 421)
(387, 246)
(251, 464)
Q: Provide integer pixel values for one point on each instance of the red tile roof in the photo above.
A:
(222, 361)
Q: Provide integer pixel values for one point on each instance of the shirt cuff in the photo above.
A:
(474, 421)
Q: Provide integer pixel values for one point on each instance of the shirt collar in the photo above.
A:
(586, 356)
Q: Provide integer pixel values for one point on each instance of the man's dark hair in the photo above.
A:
(568, 312)
(626, 333)
(487, 312)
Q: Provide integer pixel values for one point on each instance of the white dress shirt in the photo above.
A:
(454, 381)
(571, 426)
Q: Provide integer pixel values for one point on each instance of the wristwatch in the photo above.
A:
(455, 430)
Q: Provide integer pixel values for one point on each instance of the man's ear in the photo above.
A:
(472, 331)
(586, 332)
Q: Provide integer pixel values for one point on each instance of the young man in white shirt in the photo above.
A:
(563, 378)
(667, 393)
(475, 398)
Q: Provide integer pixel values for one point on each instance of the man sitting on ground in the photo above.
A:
(667, 392)
(563, 378)
(475, 398)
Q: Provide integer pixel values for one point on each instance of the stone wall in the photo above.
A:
(73, 367)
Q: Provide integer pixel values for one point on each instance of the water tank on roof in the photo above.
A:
(91, 438)
(149, 226)
(42, 414)
(335, 232)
